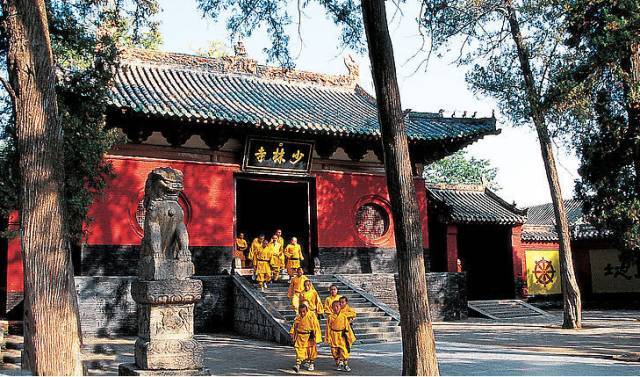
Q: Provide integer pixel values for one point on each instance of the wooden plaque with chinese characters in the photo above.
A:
(278, 156)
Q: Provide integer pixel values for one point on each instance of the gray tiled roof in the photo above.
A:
(475, 205)
(543, 214)
(239, 91)
(545, 233)
(541, 223)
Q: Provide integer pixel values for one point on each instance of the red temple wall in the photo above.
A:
(15, 280)
(338, 197)
(209, 193)
(209, 199)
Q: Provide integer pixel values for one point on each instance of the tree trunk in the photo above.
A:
(51, 322)
(418, 343)
(570, 290)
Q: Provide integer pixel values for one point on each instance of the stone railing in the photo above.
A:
(447, 292)
(254, 316)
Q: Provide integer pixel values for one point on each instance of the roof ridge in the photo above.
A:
(513, 207)
(457, 187)
(550, 204)
(242, 66)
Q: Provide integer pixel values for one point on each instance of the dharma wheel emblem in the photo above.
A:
(544, 272)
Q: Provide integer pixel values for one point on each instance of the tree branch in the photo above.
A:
(9, 90)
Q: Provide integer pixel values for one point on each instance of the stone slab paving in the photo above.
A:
(230, 355)
(471, 347)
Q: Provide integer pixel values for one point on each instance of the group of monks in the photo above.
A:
(306, 332)
(269, 257)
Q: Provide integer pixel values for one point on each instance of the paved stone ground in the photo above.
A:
(533, 347)
(472, 347)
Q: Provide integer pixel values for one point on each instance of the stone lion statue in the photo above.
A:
(165, 236)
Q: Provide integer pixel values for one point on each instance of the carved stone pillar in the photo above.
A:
(164, 292)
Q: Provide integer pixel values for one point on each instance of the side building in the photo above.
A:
(472, 230)
(507, 252)
(604, 274)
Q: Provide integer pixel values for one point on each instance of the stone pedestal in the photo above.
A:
(164, 292)
(132, 370)
(165, 343)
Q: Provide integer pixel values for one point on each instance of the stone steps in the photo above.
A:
(12, 354)
(290, 314)
(371, 325)
(14, 342)
(360, 302)
(353, 298)
(505, 309)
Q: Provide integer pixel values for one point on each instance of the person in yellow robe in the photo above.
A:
(277, 260)
(262, 265)
(280, 239)
(311, 296)
(348, 311)
(305, 334)
(340, 336)
(293, 256)
(333, 296)
(240, 249)
(296, 286)
(255, 245)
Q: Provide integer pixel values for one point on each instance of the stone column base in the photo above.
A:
(132, 370)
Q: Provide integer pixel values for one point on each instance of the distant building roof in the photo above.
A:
(541, 223)
(236, 90)
(474, 204)
(543, 214)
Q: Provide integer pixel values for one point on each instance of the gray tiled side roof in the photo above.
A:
(476, 206)
(540, 225)
(238, 91)
(543, 214)
(542, 233)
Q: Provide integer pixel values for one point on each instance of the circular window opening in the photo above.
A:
(372, 221)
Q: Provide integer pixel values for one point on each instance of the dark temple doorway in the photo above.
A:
(485, 252)
(264, 205)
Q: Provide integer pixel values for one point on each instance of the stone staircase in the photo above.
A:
(12, 352)
(506, 309)
(372, 324)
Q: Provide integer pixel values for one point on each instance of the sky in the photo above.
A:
(515, 152)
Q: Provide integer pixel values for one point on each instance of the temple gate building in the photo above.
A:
(261, 148)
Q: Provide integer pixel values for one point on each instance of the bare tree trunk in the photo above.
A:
(51, 321)
(418, 343)
(570, 290)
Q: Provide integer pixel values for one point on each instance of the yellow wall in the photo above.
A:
(543, 272)
(610, 275)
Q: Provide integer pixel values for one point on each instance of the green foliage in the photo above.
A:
(478, 30)
(85, 38)
(460, 168)
(608, 178)
(602, 35)
(247, 16)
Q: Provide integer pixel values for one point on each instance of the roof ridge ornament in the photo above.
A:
(239, 49)
(240, 63)
(352, 66)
